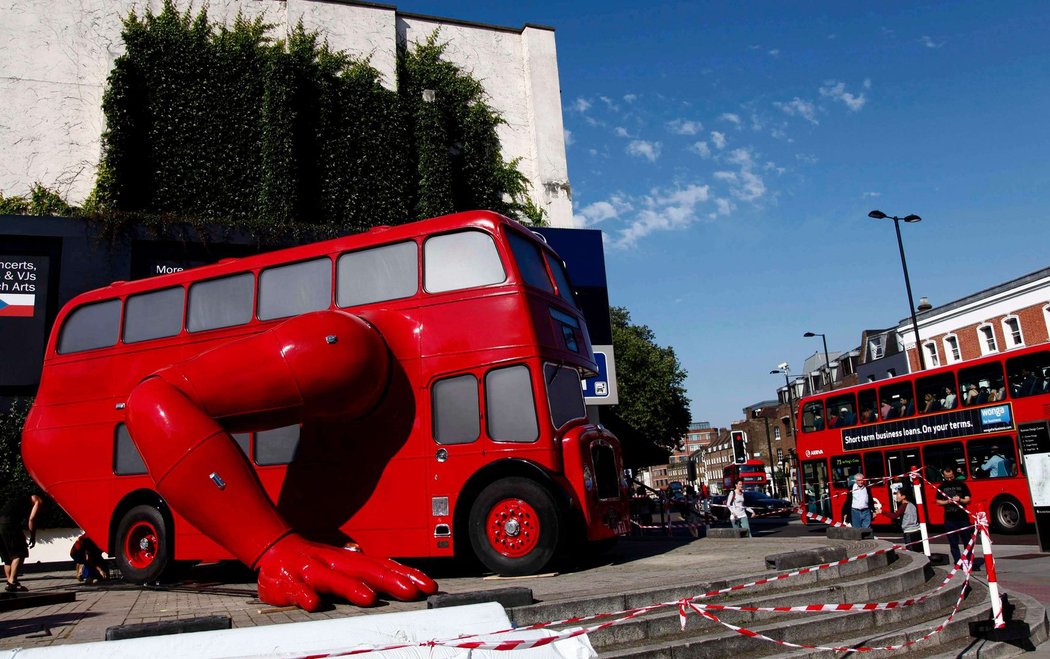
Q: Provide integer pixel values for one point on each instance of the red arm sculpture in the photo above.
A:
(326, 363)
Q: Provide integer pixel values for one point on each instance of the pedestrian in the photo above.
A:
(738, 510)
(953, 496)
(18, 513)
(908, 514)
(856, 509)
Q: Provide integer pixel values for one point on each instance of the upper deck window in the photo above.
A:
(220, 302)
(530, 262)
(153, 315)
(90, 326)
(382, 273)
(560, 278)
(297, 288)
(460, 260)
(564, 394)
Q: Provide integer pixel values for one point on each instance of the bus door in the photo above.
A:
(898, 464)
(843, 470)
(875, 470)
(815, 487)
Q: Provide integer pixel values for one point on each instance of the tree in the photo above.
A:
(653, 411)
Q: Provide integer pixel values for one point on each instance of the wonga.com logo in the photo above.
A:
(996, 416)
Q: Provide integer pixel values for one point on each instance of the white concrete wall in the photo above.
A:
(55, 56)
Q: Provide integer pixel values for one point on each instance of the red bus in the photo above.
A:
(752, 472)
(478, 442)
(966, 415)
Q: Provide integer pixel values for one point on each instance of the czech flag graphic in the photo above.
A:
(16, 305)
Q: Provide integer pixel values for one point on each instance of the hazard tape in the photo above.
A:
(622, 617)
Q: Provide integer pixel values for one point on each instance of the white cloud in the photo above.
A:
(929, 42)
(774, 52)
(620, 131)
(601, 211)
(798, 107)
(806, 158)
(731, 118)
(630, 98)
(581, 104)
(644, 149)
(664, 210)
(741, 157)
(723, 207)
(744, 184)
(837, 91)
(610, 103)
(867, 195)
(718, 139)
(684, 126)
(568, 137)
(702, 149)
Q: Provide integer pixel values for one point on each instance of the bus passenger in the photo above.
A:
(996, 465)
(949, 399)
(971, 395)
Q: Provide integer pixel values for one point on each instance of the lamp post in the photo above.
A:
(879, 215)
(769, 449)
(827, 362)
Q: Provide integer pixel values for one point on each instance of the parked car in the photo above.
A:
(761, 503)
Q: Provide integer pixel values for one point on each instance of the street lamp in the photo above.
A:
(827, 362)
(785, 369)
(879, 215)
(759, 412)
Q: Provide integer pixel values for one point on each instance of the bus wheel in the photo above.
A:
(514, 527)
(143, 551)
(1007, 515)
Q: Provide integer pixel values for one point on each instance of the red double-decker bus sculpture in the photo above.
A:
(411, 391)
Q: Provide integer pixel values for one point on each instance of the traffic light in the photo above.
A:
(739, 441)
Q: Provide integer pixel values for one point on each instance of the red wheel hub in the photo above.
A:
(513, 527)
(140, 545)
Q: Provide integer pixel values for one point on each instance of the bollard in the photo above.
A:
(916, 484)
(989, 566)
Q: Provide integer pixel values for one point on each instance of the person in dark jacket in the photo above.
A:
(18, 513)
(953, 496)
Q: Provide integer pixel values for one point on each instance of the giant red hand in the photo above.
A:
(297, 571)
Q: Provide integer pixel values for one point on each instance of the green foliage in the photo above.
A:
(224, 125)
(650, 382)
(14, 479)
(41, 201)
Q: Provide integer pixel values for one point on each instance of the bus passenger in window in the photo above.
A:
(867, 415)
(949, 399)
(886, 411)
(971, 395)
(996, 465)
(982, 396)
(930, 404)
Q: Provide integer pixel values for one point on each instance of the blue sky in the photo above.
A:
(730, 153)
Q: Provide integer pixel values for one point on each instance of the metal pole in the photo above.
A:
(827, 362)
(911, 302)
(769, 452)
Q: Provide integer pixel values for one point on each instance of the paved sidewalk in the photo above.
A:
(633, 564)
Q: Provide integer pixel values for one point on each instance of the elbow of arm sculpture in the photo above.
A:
(319, 364)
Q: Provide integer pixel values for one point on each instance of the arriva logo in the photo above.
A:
(998, 414)
(811, 453)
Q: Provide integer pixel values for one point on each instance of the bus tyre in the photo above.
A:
(1007, 515)
(514, 527)
(143, 545)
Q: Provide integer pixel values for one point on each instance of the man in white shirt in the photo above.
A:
(858, 503)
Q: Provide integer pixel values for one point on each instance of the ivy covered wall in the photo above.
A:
(224, 123)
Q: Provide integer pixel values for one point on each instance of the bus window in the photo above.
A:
(153, 315)
(842, 412)
(899, 463)
(992, 457)
(510, 408)
(464, 259)
(530, 262)
(296, 288)
(815, 482)
(277, 446)
(813, 416)
(937, 456)
(222, 302)
(896, 400)
(560, 278)
(981, 384)
(90, 326)
(869, 406)
(457, 415)
(843, 468)
(936, 393)
(874, 467)
(1029, 375)
(243, 441)
(389, 272)
(126, 458)
(564, 394)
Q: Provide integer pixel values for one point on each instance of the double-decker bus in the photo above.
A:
(752, 472)
(965, 415)
(478, 440)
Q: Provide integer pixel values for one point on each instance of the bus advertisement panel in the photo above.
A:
(964, 416)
